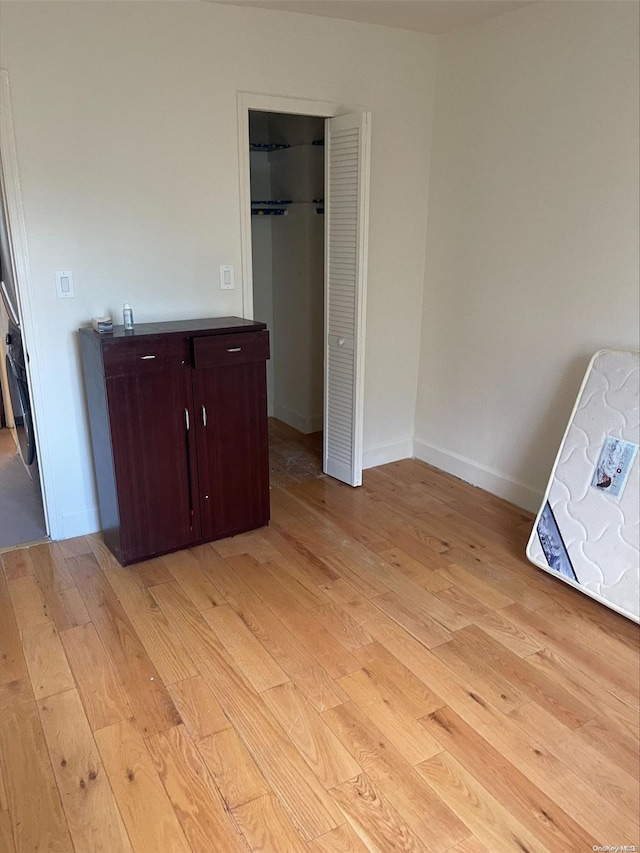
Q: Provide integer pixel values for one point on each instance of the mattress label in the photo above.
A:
(614, 464)
(553, 545)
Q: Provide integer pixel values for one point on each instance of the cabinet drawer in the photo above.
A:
(145, 355)
(212, 350)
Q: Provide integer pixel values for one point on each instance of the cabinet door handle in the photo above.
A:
(204, 416)
(187, 450)
(235, 349)
(146, 357)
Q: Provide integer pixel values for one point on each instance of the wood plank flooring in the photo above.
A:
(378, 670)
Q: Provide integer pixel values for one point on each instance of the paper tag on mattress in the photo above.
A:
(553, 545)
(614, 464)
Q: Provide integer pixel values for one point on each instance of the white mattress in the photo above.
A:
(587, 529)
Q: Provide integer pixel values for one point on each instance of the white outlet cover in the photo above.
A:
(64, 284)
(227, 277)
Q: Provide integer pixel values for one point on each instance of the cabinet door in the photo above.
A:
(233, 453)
(154, 460)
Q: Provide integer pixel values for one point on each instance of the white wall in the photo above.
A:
(261, 258)
(532, 241)
(125, 118)
(263, 292)
(298, 317)
(297, 173)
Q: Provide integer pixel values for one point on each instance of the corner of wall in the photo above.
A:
(432, 95)
(522, 495)
(382, 454)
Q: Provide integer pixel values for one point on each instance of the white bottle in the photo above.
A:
(127, 315)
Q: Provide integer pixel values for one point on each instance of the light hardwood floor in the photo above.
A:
(379, 669)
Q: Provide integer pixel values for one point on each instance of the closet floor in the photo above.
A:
(293, 456)
(21, 514)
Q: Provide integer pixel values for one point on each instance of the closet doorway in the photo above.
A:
(304, 199)
(287, 238)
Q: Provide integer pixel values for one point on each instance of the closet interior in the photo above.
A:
(287, 206)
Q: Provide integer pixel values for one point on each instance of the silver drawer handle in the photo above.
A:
(235, 349)
(146, 357)
(204, 416)
(186, 418)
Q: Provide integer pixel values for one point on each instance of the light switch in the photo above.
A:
(227, 277)
(64, 284)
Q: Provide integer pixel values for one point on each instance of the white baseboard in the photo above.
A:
(80, 523)
(526, 497)
(391, 452)
(84, 521)
(300, 422)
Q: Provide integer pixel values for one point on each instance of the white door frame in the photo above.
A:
(26, 301)
(273, 104)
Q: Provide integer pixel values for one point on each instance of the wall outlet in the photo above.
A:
(227, 277)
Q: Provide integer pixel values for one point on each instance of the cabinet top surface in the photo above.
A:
(209, 326)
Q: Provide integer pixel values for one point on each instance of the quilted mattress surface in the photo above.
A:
(587, 529)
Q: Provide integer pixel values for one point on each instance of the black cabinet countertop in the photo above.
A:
(205, 326)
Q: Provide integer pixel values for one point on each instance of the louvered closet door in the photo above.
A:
(347, 147)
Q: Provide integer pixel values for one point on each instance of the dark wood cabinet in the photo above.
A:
(179, 432)
(152, 459)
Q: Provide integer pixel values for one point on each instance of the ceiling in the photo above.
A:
(425, 16)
